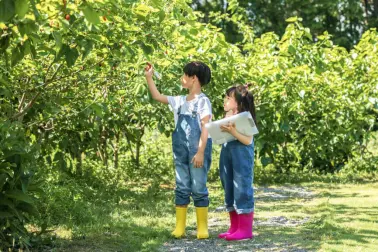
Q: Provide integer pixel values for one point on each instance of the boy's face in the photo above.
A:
(187, 81)
(229, 103)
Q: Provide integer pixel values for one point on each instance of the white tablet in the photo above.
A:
(243, 122)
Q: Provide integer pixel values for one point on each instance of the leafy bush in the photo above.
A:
(17, 204)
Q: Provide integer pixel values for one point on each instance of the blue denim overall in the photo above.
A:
(190, 181)
(236, 173)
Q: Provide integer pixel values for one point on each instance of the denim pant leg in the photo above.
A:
(200, 193)
(183, 183)
(243, 162)
(226, 177)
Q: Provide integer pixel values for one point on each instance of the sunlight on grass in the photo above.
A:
(310, 216)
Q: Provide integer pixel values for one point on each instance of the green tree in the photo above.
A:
(346, 20)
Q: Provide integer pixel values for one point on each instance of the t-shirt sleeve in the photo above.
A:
(174, 103)
(204, 107)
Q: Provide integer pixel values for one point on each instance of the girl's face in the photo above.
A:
(187, 81)
(230, 103)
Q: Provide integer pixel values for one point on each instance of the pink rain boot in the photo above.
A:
(233, 225)
(244, 228)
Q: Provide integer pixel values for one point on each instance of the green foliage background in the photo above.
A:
(75, 107)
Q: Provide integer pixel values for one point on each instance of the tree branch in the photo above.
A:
(30, 104)
(51, 80)
(69, 75)
(48, 69)
(21, 102)
(23, 96)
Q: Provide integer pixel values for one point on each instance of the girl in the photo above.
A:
(190, 142)
(236, 167)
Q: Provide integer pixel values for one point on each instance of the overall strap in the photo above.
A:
(179, 109)
(195, 109)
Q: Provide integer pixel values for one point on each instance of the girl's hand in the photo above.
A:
(198, 160)
(229, 128)
(148, 70)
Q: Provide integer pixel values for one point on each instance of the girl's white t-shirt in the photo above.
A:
(187, 107)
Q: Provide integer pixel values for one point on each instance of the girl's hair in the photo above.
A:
(244, 99)
(199, 69)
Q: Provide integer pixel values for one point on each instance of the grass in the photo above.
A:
(140, 216)
(342, 217)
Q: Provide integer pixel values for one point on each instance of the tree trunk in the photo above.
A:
(102, 146)
(79, 163)
(116, 149)
(366, 2)
(375, 12)
(138, 146)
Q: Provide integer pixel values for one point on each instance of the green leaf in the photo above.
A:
(19, 195)
(58, 156)
(161, 16)
(27, 208)
(71, 57)
(70, 54)
(142, 10)
(3, 180)
(63, 50)
(98, 109)
(25, 184)
(266, 160)
(161, 128)
(27, 27)
(291, 49)
(6, 202)
(285, 126)
(87, 48)
(17, 55)
(147, 49)
(33, 51)
(157, 4)
(22, 7)
(27, 49)
(91, 15)
(292, 19)
(7, 10)
(4, 42)
(8, 171)
(193, 31)
(58, 38)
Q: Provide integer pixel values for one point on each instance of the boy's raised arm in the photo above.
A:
(148, 72)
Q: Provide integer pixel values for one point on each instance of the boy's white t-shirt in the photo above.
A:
(187, 107)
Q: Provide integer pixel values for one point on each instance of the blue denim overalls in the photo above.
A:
(190, 181)
(236, 172)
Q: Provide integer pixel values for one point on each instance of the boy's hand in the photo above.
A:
(230, 128)
(198, 160)
(148, 70)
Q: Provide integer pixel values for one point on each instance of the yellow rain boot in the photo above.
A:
(180, 222)
(202, 232)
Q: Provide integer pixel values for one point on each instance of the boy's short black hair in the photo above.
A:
(199, 69)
